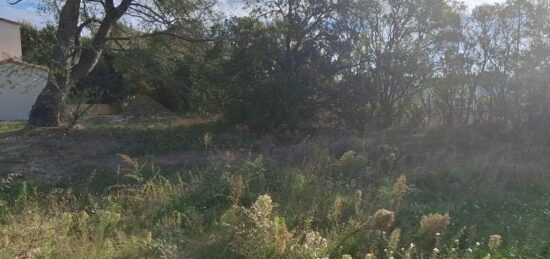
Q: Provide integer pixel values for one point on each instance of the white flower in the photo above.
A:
(469, 250)
(437, 234)
(436, 250)
(478, 244)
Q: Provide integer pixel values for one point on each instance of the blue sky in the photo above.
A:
(27, 10)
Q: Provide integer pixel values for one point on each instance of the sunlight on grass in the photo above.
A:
(303, 200)
(11, 126)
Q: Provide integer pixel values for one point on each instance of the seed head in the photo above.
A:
(382, 219)
(494, 242)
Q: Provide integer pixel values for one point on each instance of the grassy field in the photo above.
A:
(201, 189)
(9, 127)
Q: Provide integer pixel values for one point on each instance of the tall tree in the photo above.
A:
(70, 60)
(395, 46)
(280, 61)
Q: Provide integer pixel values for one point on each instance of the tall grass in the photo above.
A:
(11, 126)
(337, 197)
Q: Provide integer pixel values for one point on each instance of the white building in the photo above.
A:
(20, 82)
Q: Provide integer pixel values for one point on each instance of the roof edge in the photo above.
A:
(10, 21)
(22, 63)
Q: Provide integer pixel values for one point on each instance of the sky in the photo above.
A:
(27, 10)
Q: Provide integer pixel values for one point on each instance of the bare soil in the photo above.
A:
(55, 155)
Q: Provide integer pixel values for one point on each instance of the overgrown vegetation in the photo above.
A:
(8, 127)
(393, 194)
(359, 64)
(303, 129)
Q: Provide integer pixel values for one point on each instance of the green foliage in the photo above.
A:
(37, 44)
(11, 126)
(296, 64)
(266, 206)
(259, 94)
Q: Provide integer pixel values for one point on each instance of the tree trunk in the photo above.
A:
(70, 62)
(47, 110)
(49, 106)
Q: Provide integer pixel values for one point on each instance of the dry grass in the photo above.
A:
(11, 126)
(176, 194)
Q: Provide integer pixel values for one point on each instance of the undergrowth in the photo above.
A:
(319, 198)
(9, 127)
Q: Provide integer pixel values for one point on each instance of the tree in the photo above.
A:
(37, 44)
(281, 60)
(70, 60)
(395, 46)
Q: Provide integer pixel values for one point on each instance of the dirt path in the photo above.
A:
(53, 154)
(60, 155)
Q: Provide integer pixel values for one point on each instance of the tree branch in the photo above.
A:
(161, 33)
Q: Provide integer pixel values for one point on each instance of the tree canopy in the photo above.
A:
(360, 64)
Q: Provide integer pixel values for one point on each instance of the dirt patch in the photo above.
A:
(64, 156)
(53, 155)
(144, 106)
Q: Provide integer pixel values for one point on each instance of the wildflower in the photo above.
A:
(283, 237)
(346, 256)
(336, 210)
(260, 230)
(358, 199)
(207, 140)
(84, 216)
(392, 157)
(469, 250)
(436, 250)
(432, 224)
(313, 244)
(358, 195)
(346, 157)
(478, 244)
(237, 189)
(382, 219)
(126, 160)
(263, 206)
(494, 242)
(412, 245)
(370, 256)
(393, 242)
(399, 188)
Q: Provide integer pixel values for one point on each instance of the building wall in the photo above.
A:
(10, 40)
(19, 87)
